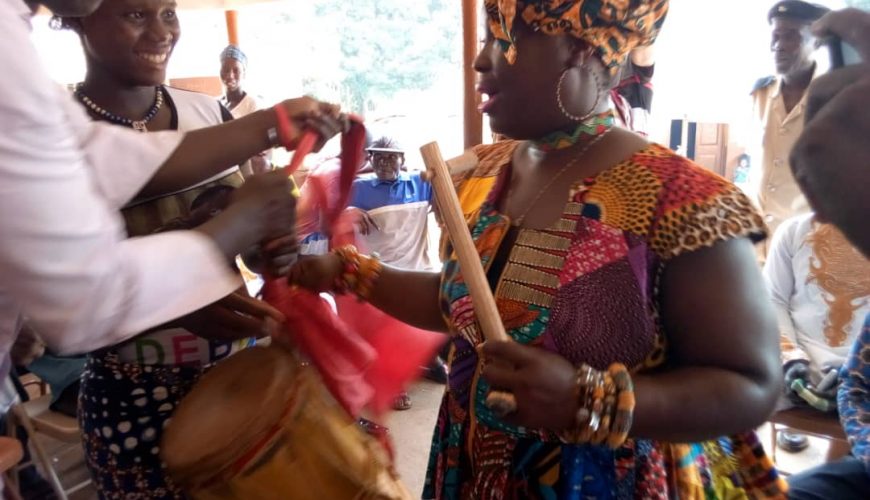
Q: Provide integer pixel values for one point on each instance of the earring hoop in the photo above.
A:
(561, 104)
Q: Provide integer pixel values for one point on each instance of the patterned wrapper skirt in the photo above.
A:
(123, 408)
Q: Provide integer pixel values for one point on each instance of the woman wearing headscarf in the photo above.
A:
(641, 355)
(234, 64)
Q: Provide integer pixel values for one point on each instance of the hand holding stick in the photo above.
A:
(439, 174)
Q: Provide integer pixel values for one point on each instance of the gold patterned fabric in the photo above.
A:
(612, 27)
(841, 271)
(145, 217)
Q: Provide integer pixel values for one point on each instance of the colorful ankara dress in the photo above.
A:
(588, 289)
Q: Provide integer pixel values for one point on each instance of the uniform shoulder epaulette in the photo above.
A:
(761, 83)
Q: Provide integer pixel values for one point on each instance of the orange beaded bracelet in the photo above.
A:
(624, 415)
(359, 272)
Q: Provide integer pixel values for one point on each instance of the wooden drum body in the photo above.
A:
(261, 425)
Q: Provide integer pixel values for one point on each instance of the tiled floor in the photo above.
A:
(411, 431)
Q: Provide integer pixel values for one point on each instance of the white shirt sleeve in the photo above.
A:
(120, 159)
(65, 259)
(780, 279)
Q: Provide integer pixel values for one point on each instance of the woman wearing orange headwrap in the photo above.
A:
(624, 274)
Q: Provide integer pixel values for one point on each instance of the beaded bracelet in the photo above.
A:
(606, 406)
(359, 272)
(625, 402)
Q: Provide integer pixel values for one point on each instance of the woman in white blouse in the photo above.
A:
(65, 260)
(130, 390)
(66, 263)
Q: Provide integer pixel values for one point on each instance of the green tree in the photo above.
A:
(387, 45)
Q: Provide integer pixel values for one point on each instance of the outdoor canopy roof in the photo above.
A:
(473, 120)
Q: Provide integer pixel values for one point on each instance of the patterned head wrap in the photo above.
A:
(612, 27)
(233, 52)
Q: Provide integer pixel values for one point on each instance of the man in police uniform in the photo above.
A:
(779, 103)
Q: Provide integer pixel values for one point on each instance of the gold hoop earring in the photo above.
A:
(561, 104)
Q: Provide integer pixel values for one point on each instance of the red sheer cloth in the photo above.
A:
(364, 357)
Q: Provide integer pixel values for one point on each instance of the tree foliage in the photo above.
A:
(383, 46)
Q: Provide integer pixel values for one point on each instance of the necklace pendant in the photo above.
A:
(139, 126)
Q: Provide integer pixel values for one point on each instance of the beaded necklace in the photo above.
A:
(587, 133)
(584, 131)
(139, 125)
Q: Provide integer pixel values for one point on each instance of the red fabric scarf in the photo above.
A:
(366, 359)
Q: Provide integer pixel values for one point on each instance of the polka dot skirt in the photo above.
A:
(123, 409)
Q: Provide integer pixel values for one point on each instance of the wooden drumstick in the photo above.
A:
(472, 271)
(463, 163)
(439, 174)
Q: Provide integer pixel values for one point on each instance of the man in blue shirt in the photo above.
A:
(393, 214)
(393, 208)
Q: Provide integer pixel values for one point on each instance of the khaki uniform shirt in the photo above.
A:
(771, 180)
